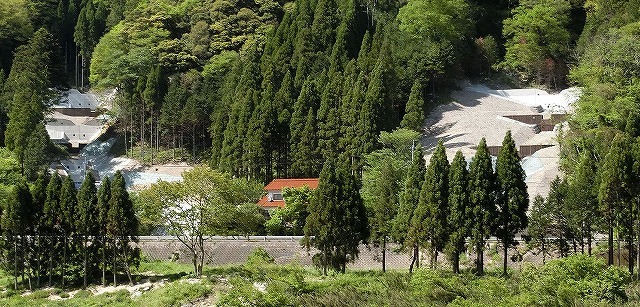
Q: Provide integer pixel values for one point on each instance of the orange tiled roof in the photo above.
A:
(279, 184)
(265, 203)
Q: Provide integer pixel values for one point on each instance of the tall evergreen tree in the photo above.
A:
(15, 223)
(38, 196)
(384, 204)
(68, 206)
(613, 193)
(86, 222)
(337, 218)
(511, 195)
(102, 208)
(404, 231)
(540, 226)
(414, 110)
(481, 199)
(434, 198)
(582, 198)
(52, 214)
(459, 213)
(122, 227)
(28, 86)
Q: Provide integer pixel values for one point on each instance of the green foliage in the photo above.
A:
(259, 256)
(207, 202)
(511, 195)
(459, 212)
(290, 220)
(414, 110)
(562, 282)
(481, 198)
(431, 213)
(337, 218)
(28, 90)
(538, 40)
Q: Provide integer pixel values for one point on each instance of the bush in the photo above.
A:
(83, 294)
(438, 286)
(39, 294)
(174, 294)
(259, 256)
(579, 277)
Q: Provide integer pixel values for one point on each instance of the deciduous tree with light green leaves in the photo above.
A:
(203, 204)
(538, 41)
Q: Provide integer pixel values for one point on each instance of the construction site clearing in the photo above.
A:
(533, 116)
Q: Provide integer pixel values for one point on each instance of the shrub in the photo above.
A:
(39, 294)
(438, 286)
(565, 281)
(259, 256)
(83, 294)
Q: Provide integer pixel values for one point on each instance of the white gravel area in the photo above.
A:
(478, 112)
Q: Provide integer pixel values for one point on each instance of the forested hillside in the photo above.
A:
(266, 89)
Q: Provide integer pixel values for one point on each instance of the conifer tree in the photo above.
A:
(68, 205)
(283, 103)
(29, 91)
(540, 226)
(459, 214)
(481, 199)
(86, 222)
(307, 101)
(384, 204)
(613, 193)
(434, 198)
(337, 218)
(38, 196)
(36, 152)
(305, 161)
(414, 110)
(325, 21)
(122, 227)
(328, 119)
(52, 219)
(15, 223)
(582, 198)
(511, 195)
(404, 231)
(102, 208)
(560, 215)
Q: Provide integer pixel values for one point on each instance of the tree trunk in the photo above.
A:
(125, 263)
(384, 254)
(104, 261)
(52, 246)
(15, 264)
(64, 258)
(479, 259)
(84, 261)
(504, 254)
(39, 263)
(456, 262)
(414, 258)
(115, 261)
(610, 240)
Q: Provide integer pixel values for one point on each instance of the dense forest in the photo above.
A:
(269, 89)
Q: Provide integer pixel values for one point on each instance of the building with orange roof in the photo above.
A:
(274, 199)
